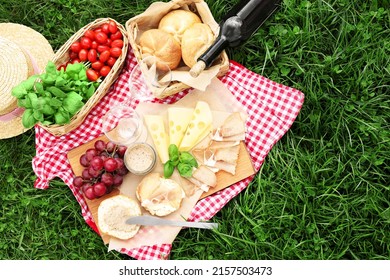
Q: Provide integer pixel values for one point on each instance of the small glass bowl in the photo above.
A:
(123, 126)
(140, 158)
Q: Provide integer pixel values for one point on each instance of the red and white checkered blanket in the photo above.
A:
(271, 107)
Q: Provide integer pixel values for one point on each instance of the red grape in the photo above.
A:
(120, 163)
(107, 179)
(99, 189)
(97, 163)
(122, 171)
(121, 151)
(93, 172)
(100, 145)
(110, 147)
(78, 181)
(89, 193)
(90, 153)
(110, 165)
(85, 174)
(84, 161)
(118, 180)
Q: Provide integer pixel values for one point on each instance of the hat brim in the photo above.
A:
(39, 49)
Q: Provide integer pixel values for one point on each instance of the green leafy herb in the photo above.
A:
(184, 162)
(54, 96)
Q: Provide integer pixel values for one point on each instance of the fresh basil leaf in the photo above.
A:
(61, 117)
(57, 92)
(30, 82)
(60, 82)
(25, 103)
(38, 115)
(19, 91)
(73, 102)
(83, 75)
(47, 110)
(54, 102)
(33, 99)
(28, 119)
(90, 91)
(39, 89)
(48, 80)
(173, 153)
(185, 169)
(186, 157)
(51, 68)
(73, 70)
(168, 169)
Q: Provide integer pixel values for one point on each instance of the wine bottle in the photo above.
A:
(236, 27)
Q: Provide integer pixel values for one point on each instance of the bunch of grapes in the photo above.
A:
(103, 171)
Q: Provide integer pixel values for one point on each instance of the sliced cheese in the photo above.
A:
(155, 125)
(199, 126)
(178, 120)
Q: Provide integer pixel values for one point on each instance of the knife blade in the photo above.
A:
(146, 220)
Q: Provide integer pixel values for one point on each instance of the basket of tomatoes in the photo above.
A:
(102, 47)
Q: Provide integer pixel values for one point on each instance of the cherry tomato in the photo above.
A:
(116, 52)
(94, 45)
(85, 43)
(117, 43)
(97, 65)
(83, 55)
(62, 66)
(117, 35)
(76, 60)
(105, 28)
(101, 37)
(105, 70)
(96, 30)
(75, 47)
(92, 55)
(73, 55)
(90, 34)
(104, 56)
(108, 43)
(111, 61)
(103, 48)
(112, 27)
(92, 75)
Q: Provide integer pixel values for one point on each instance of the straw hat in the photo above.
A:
(24, 52)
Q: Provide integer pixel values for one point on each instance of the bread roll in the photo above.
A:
(195, 41)
(177, 21)
(158, 195)
(112, 214)
(163, 46)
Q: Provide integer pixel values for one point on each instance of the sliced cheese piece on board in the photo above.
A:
(178, 120)
(155, 125)
(198, 127)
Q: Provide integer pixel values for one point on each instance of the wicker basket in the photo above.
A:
(136, 25)
(62, 56)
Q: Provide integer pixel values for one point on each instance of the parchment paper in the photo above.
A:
(222, 103)
(150, 18)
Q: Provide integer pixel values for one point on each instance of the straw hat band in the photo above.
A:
(18, 112)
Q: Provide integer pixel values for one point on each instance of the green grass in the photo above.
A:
(323, 192)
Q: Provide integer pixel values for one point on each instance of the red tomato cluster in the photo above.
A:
(101, 46)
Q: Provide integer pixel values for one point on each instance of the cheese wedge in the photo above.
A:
(155, 125)
(199, 126)
(178, 120)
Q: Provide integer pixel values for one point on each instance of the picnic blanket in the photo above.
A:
(272, 108)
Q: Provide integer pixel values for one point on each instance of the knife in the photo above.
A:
(147, 220)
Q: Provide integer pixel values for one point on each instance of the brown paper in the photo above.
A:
(151, 17)
(222, 103)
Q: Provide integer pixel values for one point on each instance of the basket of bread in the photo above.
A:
(81, 72)
(176, 33)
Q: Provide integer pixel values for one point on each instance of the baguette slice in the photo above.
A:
(112, 214)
